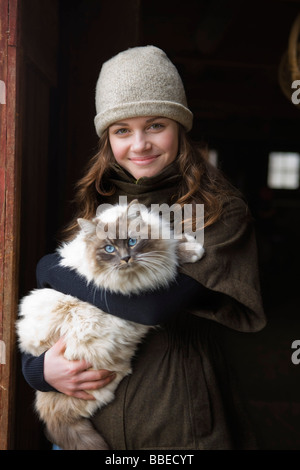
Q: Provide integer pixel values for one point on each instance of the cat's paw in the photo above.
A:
(190, 250)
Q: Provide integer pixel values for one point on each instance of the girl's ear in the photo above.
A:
(87, 226)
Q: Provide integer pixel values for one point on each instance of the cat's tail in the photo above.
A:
(79, 435)
(64, 426)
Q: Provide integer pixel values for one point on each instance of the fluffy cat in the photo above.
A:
(129, 265)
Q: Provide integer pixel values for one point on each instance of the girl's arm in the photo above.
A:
(149, 308)
(33, 372)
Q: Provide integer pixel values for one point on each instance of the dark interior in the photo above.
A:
(228, 53)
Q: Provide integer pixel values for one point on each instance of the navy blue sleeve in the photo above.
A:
(33, 372)
(150, 308)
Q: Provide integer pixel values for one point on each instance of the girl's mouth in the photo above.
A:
(144, 160)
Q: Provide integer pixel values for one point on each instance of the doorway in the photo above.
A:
(228, 57)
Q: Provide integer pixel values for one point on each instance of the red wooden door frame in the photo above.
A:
(9, 216)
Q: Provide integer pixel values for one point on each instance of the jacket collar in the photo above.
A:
(161, 188)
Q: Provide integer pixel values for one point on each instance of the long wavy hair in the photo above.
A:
(201, 182)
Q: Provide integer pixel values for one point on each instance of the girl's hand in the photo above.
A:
(72, 377)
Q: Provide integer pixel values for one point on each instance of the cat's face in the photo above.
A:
(130, 263)
(127, 253)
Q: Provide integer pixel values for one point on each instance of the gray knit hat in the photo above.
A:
(140, 81)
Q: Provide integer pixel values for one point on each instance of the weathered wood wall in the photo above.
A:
(9, 216)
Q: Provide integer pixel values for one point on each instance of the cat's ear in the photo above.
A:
(87, 226)
(134, 201)
(137, 226)
(134, 209)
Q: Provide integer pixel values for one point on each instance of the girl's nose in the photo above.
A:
(140, 142)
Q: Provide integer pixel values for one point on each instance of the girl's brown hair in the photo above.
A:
(201, 182)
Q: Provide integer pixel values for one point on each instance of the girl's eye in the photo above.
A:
(156, 126)
(132, 241)
(109, 248)
(121, 131)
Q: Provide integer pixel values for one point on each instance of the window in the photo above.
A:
(283, 171)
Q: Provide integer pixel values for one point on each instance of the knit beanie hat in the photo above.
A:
(140, 81)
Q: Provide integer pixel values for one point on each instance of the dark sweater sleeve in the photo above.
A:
(149, 308)
(33, 372)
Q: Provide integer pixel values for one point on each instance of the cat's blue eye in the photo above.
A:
(109, 248)
(132, 241)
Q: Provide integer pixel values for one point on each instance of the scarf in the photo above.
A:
(159, 189)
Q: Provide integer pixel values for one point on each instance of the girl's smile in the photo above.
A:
(144, 146)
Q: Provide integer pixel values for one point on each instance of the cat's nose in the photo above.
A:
(125, 259)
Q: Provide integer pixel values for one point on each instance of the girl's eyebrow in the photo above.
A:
(153, 119)
(127, 124)
(119, 124)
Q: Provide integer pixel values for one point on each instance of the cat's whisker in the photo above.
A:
(155, 260)
(152, 255)
(154, 267)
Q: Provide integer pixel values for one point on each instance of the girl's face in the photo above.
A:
(144, 146)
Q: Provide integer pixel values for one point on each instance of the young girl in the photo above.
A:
(181, 394)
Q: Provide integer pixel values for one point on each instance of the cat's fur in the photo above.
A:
(106, 341)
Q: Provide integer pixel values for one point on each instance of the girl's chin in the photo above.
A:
(140, 171)
(145, 174)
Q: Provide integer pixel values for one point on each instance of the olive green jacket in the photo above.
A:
(181, 394)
